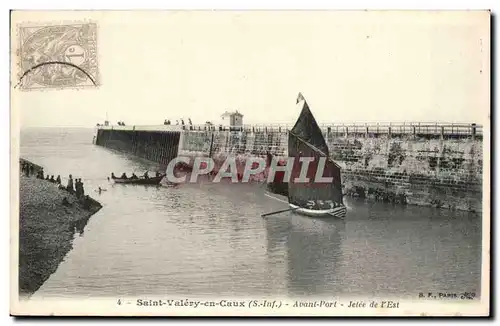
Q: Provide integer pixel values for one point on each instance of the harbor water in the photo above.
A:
(209, 239)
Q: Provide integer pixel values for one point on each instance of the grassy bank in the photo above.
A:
(46, 229)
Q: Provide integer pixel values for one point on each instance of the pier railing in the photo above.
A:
(384, 128)
(408, 128)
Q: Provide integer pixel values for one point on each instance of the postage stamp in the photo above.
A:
(58, 56)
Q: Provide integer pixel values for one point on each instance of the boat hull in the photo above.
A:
(339, 212)
(150, 181)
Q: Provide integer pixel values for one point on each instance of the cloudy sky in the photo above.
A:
(351, 66)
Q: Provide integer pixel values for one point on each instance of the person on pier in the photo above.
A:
(81, 191)
(182, 122)
(58, 179)
(52, 179)
(86, 202)
(82, 188)
(69, 187)
(77, 188)
(26, 169)
(190, 122)
(47, 178)
(113, 175)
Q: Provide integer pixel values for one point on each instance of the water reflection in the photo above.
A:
(314, 255)
(278, 228)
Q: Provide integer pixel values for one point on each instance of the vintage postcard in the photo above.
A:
(250, 163)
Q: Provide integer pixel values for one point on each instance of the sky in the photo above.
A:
(350, 66)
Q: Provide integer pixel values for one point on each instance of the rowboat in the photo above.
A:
(315, 197)
(140, 181)
(339, 212)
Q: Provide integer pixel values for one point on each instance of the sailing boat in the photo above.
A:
(315, 197)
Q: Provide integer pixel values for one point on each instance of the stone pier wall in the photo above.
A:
(437, 166)
(156, 146)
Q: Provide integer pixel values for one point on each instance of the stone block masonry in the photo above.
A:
(156, 146)
(431, 165)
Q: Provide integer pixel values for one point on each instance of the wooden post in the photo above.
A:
(473, 131)
(442, 132)
(211, 146)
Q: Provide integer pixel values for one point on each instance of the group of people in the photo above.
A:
(51, 179)
(121, 123)
(27, 168)
(73, 186)
(78, 187)
(167, 122)
(134, 176)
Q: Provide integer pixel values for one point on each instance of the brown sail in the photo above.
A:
(306, 140)
(307, 129)
(278, 185)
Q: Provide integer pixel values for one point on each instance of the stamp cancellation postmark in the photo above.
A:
(58, 56)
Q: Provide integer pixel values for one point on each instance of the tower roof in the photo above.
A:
(231, 113)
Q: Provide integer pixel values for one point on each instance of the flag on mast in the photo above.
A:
(300, 97)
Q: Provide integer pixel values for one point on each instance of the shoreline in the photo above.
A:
(46, 228)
